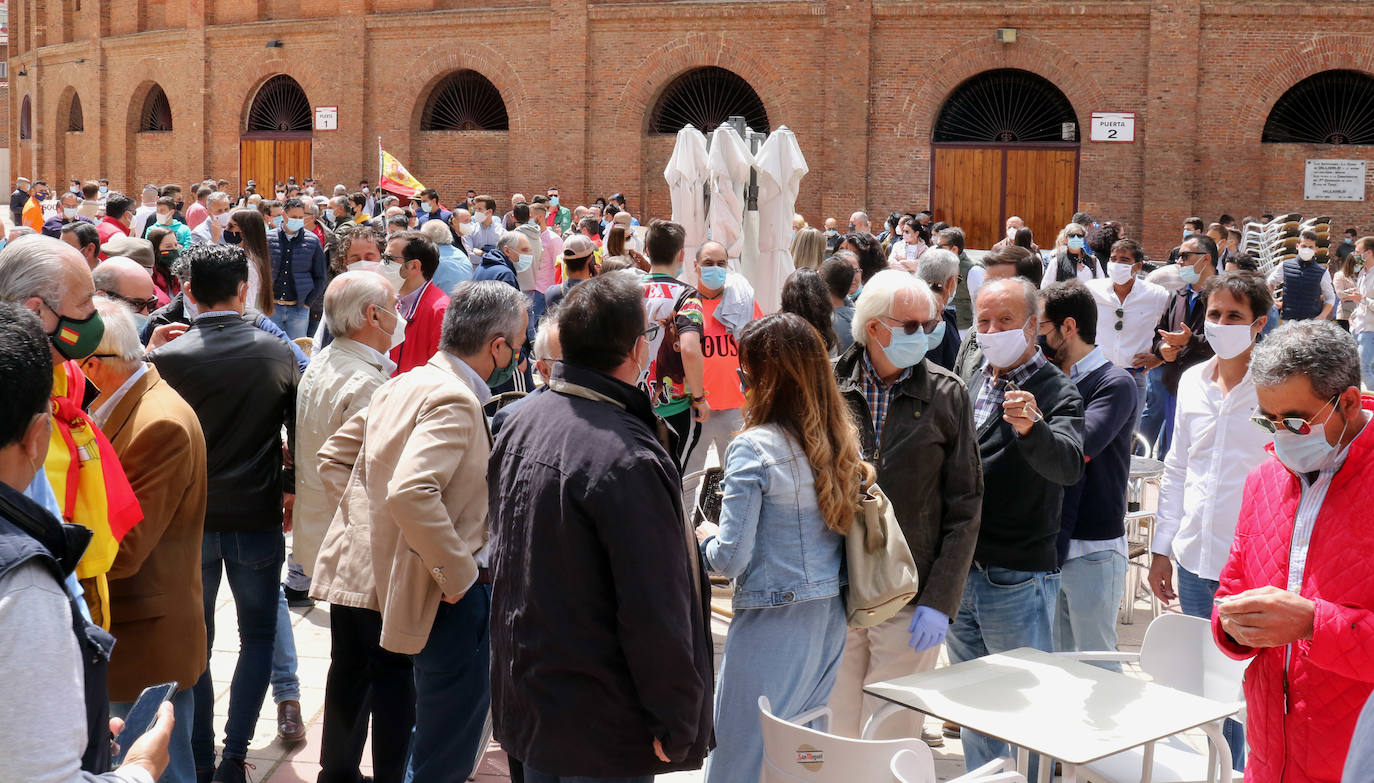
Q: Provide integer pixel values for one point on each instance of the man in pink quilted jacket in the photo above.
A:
(1297, 594)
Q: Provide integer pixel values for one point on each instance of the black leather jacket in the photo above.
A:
(241, 382)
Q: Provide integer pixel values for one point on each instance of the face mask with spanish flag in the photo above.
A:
(76, 338)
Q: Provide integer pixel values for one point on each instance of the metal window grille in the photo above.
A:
(157, 112)
(1331, 107)
(705, 98)
(75, 121)
(1006, 106)
(465, 101)
(26, 119)
(279, 107)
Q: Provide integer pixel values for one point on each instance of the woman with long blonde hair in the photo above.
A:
(791, 486)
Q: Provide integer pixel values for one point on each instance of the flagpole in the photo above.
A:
(380, 170)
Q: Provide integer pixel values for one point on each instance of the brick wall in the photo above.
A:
(859, 81)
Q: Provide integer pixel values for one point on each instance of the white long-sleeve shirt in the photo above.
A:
(1215, 447)
(1140, 314)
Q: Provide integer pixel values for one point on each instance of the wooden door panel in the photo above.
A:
(967, 192)
(256, 162)
(292, 160)
(1041, 189)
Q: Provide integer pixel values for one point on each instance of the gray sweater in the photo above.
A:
(43, 725)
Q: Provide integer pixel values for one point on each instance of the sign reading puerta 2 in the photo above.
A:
(1334, 180)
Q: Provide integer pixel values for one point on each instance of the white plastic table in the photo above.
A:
(1053, 705)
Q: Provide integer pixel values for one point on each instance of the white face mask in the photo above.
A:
(1011, 235)
(1230, 340)
(164, 218)
(398, 332)
(1121, 274)
(466, 229)
(391, 271)
(1307, 253)
(1002, 349)
(364, 266)
(69, 212)
(222, 219)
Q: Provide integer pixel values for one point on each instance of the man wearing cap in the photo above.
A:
(18, 199)
(578, 253)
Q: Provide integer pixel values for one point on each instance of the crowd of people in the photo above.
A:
(488, 438)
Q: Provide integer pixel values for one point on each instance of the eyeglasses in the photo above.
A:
(140, 306)
(1292, 424)
(651, 333)
(1080, 236)
(911, 327)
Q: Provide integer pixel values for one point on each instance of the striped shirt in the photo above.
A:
(877, 394)
(993, 390)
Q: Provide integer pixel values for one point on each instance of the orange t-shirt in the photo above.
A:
(721, 351)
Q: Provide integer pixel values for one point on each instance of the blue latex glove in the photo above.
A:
(928, 628)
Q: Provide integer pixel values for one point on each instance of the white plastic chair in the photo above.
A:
(1178, 652)
(910, 767)
(792, 752)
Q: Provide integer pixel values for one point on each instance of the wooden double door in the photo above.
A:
(977, 187)
(271, 159)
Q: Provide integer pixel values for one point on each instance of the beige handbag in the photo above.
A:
(882, 572)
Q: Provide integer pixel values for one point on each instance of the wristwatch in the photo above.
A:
(702, 398)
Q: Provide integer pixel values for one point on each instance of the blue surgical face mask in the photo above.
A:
(1075, 244)
(140, 321)
(276, 221)
(1187, 232)
(295, 224)
(1189, 274)
(713, 277)
(905, 350)
(936, 337)
(553, 200)
(524, 261)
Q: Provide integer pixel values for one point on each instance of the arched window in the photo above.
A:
(1006, 106)
(280, 107)
(705, 98)
(156, 116)
(1331, 107)
(465, 101)
(76, 123)
(26, 119)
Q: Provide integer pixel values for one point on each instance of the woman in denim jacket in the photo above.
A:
(791, 485)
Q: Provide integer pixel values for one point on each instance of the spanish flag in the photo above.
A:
(394, 177)
(90, 485)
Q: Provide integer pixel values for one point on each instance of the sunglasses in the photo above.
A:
(1292, 424)
(141, 306)
(1120, 319)
(912, 327)
(1080, 236)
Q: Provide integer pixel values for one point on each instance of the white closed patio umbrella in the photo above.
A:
(687, 174)
(729, 164)
(780, 166)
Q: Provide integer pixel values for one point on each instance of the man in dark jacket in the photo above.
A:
(241, 382)
(298, 270)
(1180, 342)
(917, 427)
(18, 199)
(1029, 420)
(601, 671)
(1092, 533)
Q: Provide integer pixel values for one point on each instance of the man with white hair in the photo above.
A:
(360, 311)
(212, 230)
(51, 278)
(146, 211)
(916, 425)
(155, 587)
(1029, 417)
(454, 266)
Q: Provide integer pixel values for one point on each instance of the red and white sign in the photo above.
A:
(1112, 126)
(326, 118)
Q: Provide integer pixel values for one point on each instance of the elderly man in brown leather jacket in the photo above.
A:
(916, 422)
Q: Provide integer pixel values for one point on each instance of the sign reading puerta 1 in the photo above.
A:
(1334, 180)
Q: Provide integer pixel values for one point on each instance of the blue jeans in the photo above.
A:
(534, 776)
(452, 691)
(1156, 419)
(286, 686)
(252, 561)
(1001, 610)
(181, 767)
(1195, 596)
(293, 319)
(1364, 341)
(1089, 598)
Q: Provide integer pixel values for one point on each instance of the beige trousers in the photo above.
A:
(882, 652)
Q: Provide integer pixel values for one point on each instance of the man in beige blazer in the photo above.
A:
(410, 533)
(360, 310)
(156, 610)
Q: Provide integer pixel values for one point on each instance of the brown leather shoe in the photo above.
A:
(290, 726)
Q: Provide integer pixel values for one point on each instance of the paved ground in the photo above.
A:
(274, 763)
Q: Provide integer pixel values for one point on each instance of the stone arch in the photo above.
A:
(487, 62)
(1255, 99)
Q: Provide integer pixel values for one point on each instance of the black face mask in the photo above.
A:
(232, 237)
(1050, 351)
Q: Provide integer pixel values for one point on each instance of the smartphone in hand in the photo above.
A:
(141, 717)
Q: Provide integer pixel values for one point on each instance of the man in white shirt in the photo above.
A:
(1215, 446)
(1128, 309)
(145, 212)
